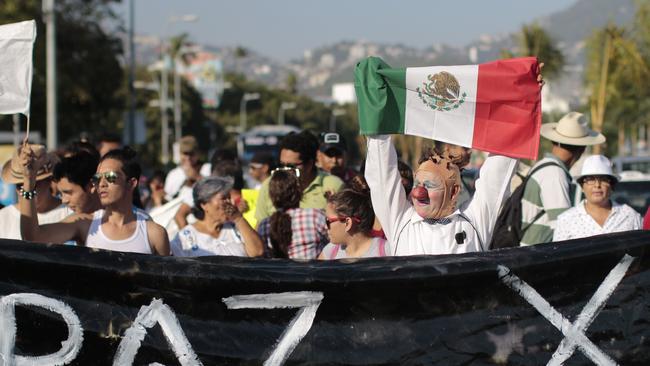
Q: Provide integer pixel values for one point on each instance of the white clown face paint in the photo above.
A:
(69, 348)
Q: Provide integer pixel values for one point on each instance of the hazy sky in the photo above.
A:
(283, 29)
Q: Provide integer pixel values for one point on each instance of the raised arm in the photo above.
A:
(386, 191)
(253, 244)
(492, 188)
(30, 230)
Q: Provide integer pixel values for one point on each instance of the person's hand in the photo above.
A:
(231, 211)
(158, 195)
(540, 78)
(242, 205)
(27, 159)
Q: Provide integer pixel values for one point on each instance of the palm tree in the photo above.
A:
(533, 40)
(292, 83)
(616, 72)
(240, 53)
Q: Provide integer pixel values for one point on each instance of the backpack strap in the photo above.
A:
(476, 231)
(530, 174)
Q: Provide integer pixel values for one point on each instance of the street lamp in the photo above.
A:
(162, 66)
(242, 109)
(186, 18)
(335, 113)
(284, 107)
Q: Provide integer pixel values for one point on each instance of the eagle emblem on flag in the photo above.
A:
(441, 92)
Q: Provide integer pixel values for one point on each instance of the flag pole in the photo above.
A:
(50, 20)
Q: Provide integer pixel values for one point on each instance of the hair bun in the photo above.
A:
(359, 185)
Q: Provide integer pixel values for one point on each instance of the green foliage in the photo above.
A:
(87, 41)
(292, 83)
(617, 76)
(533, 40)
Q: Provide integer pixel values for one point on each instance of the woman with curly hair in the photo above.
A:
(291, 231)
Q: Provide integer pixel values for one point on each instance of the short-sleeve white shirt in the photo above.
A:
(577, 223)
(10, 219)
(189, 242)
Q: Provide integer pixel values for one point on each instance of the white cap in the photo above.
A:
(597, 165)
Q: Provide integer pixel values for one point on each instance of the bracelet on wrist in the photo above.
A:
(28, 195)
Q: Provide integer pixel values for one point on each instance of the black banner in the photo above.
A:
(580, 302)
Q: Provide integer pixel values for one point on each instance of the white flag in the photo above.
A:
(16, 45)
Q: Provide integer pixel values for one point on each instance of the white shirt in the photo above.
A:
(190, 242)
(577, 223)
(138, 242)
(176, 179)
(407, 232)
(10, 220)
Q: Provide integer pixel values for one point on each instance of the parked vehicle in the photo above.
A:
(631, 163)
(264, 138)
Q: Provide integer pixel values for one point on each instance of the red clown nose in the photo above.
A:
(420, 193)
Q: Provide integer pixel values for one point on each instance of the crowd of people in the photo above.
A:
(310, 203)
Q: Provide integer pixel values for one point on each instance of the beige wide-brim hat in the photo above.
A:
(12, 171)
(572, 130)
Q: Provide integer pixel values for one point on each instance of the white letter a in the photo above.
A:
(148, 316)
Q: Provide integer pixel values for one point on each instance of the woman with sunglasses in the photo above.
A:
(220, 228)
(116, 226)
(350, 220)
(597, 213)
(291, 231)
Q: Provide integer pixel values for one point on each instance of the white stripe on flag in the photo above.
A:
(455, 126)
(16, 44)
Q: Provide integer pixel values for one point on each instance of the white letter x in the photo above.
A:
(574, 333)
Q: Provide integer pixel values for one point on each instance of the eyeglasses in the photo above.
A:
(255, 166)
(330, 220)
(592, 180)
(287, 168)
(111, 177)
(291, 165)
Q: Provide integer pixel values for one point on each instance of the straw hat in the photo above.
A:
(572, 130)
(12, 171)
(597, 165)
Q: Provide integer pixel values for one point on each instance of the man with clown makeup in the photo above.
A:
(431, 223)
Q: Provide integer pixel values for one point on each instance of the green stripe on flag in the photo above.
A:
(381, 97)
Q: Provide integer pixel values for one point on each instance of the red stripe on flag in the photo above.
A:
(508, 108)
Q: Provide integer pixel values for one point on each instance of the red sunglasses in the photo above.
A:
(330, 220)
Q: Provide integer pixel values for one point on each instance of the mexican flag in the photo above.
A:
(494, 107)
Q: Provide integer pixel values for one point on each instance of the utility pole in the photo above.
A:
(164, 133)
(335, 113)
(131, 113)
(178, 133)
(50, 40)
